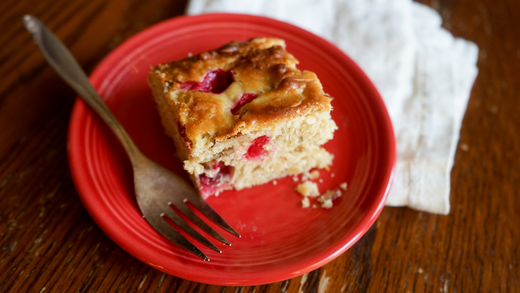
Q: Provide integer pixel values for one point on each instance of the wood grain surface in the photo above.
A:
(49, 243)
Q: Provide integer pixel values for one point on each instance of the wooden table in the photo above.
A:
(49, 243)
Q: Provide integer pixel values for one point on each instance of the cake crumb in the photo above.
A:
(327, 168)
(308, 188)
(306, 203)
(310, 175)
(321, 180)
(295, 179)
(314, 206)
(330, 194)
(343, 185)
(274, 182)
(327, 197)
(332, 175)
(327, 204)
(190, 54)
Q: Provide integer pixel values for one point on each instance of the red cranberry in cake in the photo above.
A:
(256, 150)
(244, 99)
(243, 114)
(219, 181)
(215, 81)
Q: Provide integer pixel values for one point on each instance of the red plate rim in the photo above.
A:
(75, 151)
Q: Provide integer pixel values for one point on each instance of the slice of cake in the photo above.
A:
(243, 115)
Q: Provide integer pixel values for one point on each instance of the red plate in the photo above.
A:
(280, 239)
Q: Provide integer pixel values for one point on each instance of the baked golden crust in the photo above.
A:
(261, 67)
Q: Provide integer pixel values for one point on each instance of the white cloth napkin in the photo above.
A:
(423, 74)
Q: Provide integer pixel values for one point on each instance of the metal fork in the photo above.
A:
(157, 189)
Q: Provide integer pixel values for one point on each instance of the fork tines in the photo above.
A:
(160, 223)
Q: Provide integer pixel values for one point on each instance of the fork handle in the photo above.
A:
(59, 57)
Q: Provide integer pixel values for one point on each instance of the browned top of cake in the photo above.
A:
(239, 87)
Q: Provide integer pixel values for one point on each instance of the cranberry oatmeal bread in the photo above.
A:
(243, 115)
